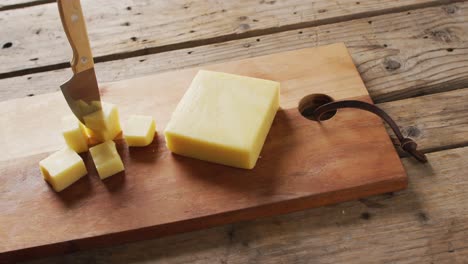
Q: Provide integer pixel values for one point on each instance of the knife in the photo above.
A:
(81, 92)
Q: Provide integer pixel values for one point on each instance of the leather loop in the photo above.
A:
(405, 143)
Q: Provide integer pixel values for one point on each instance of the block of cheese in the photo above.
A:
(223, 118)
(139, 130)
(106, 159)
(62, 168)
(74, 134)
(104, 124)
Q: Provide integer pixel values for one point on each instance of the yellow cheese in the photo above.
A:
(106, 159)
(93, 139)
(223, 118)
(74, 134)
(104, 124)
(139, 130)
(62, 168)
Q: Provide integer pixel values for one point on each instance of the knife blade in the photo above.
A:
(81, 92)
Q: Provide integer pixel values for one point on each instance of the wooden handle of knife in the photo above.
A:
(75, 27)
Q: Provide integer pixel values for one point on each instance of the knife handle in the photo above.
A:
(74, 25)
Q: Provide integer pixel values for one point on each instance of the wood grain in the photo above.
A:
(398, 55)
(161, 194)
(120, 29)
(423, 224)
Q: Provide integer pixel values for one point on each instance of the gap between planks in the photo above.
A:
(24, 4)
(231, 36)
(435, 149)
(436, 122)
(443, 148)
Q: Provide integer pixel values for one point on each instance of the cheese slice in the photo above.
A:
(62, 168)
(106, 159)
(139, 130)
(223, 118)
(74, 134)
(104, 124)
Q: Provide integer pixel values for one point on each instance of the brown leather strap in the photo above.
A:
(407, 144)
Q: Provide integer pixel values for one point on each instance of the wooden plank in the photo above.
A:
(424, 224)
(17, 2)
(12, 4)
(398, 55)
(438, 121)
(119, 29)
(176, 194)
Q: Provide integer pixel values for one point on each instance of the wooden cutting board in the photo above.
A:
(303, 163)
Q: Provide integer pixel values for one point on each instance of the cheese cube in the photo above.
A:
(74, 134)
(223, 118)
(139, 130)
(106, 159)
(104, 124)
(93, 139)
(62, 168)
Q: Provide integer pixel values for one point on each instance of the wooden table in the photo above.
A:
(412, 55)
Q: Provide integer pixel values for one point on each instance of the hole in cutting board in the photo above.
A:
(309, 103)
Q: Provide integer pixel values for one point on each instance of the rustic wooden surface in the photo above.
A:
(120, 29)
(412, 56)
